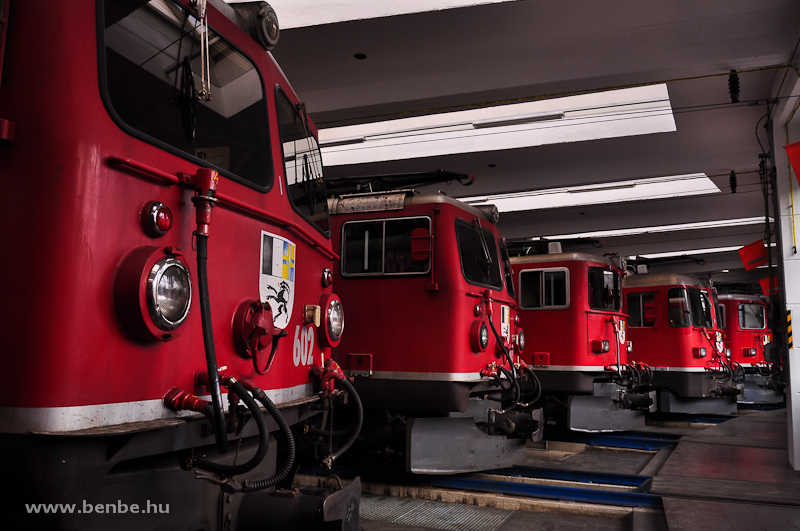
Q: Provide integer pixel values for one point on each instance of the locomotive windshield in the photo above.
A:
(678, 310)
(151, 79)
(303, 163)
(752, 317)
(701, 308)
(605, 292)
(508, 273)
(479, 262)
(689, 308)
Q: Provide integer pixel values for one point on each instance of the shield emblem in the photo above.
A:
(276, 282)
(622, 332)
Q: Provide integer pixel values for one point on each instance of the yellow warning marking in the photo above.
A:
(789, 327)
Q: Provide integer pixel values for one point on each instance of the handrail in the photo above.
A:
(230, 202)
(144, 168)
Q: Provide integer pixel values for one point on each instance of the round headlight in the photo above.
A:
(521, 341)
(335, 319)
(484, 337)
(169, 293)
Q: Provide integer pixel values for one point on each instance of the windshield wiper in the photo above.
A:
(485, 247)
(308, 186)
(187, 101)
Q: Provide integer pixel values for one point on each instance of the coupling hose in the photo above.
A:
(328, 461)
(280, 475)
(218, 418)
(263, 437)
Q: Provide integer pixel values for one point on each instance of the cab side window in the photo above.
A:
(642, 309)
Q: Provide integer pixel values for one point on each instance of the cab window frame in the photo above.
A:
(542, 282)
(491, 239)
(640, 295)
(105, 97)
(279, 92)
(382, 273)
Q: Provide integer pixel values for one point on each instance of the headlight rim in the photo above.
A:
(331, 305)
(154, 277)
(325, 338)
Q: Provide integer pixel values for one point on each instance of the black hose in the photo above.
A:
(281, 474)
(537, 385)
(218, 418)
(508, 357)
(359, 422)
(263, 438)
(515, 392)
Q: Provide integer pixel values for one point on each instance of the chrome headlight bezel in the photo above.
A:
(154, 299)
(335, 312)
(330, 304)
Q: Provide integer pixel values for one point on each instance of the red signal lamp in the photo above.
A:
(156, 219)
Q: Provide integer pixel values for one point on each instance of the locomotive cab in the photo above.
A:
(744, 319)
(571, 304)
(433, 336)
(178, 236)
(674, 324)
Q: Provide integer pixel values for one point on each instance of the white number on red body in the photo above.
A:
(303, 352)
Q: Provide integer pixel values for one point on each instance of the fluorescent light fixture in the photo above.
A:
(610, 114)
(301, 13)
(634, 190)
(660, 228)
(342, 142)
(726, 270)
(692, 252)
(515, 120)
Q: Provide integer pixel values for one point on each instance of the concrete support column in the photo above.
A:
(786, 130)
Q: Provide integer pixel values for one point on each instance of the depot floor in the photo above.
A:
(734, 476)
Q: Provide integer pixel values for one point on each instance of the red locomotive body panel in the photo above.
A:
(433, 336)
(572, 304)
(674, 329)
(745, 325)
(91, 293)
(568, 331)
(667, 341)
(744, 318)
(435, 345)
(81, 213)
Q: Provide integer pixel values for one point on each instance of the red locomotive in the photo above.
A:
(744, 319)
(166, 197)
(571, 305)
(673, 323)
(433, 335)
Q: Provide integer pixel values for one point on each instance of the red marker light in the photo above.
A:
(156, 219)
(164, 219)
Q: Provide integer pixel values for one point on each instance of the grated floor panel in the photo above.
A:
(432, 514)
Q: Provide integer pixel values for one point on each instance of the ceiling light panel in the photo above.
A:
(610, 114)
(301, 13)
(693, 252)
(595, 194)
(635, 231)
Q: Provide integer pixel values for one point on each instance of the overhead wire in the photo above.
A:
(379, 117)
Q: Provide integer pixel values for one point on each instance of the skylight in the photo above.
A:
(300, 13)
(657, 229)
(595, 194)
(610, 114)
